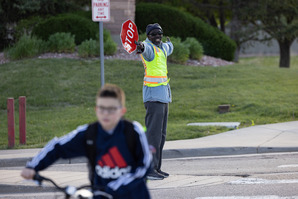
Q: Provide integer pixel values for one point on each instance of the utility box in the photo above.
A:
(224, 108)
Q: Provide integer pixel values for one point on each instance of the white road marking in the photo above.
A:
(42, 195)
(288, 166)
(249, 197)
(262, 181)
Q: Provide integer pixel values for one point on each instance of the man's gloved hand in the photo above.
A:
(140, 47)
(168, 39)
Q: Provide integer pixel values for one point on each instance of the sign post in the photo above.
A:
(129, 34)
(101, 13)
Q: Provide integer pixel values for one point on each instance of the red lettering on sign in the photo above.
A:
(101, 4)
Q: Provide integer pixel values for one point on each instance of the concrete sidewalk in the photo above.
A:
(281, 137)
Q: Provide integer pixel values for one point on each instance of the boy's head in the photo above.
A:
(110, 106)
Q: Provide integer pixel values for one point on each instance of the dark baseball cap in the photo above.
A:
(151, 27)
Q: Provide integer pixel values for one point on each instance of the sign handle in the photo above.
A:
(102, 78)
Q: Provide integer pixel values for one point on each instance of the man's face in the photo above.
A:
(108, 112)
(155, 36)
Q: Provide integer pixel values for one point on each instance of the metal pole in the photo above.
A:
(102, 77)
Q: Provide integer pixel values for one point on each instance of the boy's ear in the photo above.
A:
(123, 110)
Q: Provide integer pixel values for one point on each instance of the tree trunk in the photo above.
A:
(284, 52)
(212, 20)
(221, 17)
(236, 54)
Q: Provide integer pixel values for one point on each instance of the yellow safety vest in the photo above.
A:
(156, 71)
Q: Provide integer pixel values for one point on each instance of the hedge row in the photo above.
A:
(81, 27)
(30, 46)
(181, 24)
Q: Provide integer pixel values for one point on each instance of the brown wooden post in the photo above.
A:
(10, 122)
(22, 119)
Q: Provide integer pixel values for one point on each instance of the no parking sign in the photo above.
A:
(101, 10)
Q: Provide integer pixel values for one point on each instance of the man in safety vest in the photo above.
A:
(156, 92)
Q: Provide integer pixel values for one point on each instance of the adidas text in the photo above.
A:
(114, 173)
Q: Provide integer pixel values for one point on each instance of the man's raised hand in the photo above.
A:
(140, 47)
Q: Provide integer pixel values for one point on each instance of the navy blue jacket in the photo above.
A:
(116, 168)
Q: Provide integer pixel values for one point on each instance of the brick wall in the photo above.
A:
(121, 10)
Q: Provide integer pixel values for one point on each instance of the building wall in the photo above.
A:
(121, 10)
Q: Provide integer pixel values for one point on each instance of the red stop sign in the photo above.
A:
(128, 35)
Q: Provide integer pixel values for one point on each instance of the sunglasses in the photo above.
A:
(156, 33)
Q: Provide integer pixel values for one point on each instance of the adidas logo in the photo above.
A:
(112, 165)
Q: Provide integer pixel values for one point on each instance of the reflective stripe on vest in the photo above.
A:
(156, 70)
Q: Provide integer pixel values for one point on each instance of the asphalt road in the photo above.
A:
(266, 176)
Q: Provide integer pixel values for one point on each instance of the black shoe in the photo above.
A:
(164, 174)
(154, 175)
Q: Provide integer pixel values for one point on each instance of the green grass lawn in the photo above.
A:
(61, 94)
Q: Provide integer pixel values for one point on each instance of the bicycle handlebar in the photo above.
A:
(77, 192)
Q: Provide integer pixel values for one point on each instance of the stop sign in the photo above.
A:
(128, 35)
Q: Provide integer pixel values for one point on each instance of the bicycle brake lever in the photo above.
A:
(38, 178)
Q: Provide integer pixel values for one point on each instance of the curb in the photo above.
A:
(15, 162)
(220, 151)
(172, 153)
(8, 189)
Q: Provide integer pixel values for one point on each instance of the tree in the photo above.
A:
(278, 18)
(213, 12)
(241, 31)
(11, 11)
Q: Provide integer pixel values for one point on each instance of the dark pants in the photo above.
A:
(156, 123)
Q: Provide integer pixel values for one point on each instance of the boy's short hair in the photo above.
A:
(113, 91)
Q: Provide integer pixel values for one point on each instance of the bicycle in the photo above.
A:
(82, 192)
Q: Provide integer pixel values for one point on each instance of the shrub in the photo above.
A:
(88, 48)
(81, 27)
(26, 47)
(181, 52)
(183, 25)
(83, 13)
(110, 47)
(61, 42)
(195, 48)
(91, 48)
(25, 26)
(142, 37)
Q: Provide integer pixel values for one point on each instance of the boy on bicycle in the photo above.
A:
(121, 170)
